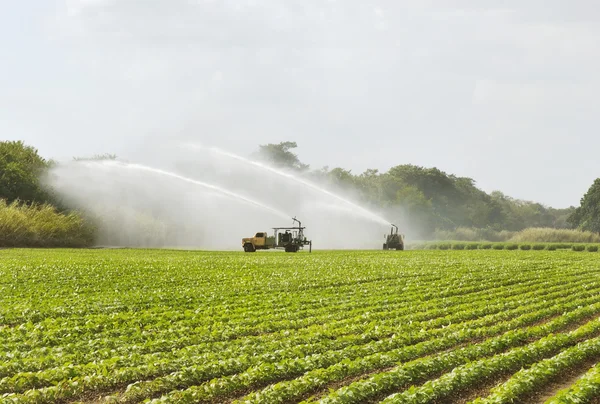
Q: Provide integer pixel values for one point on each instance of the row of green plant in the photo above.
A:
(584, 390)
(460, 245)
(188, 326)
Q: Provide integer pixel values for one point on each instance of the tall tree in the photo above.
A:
(587, 216)
(20, 170)
(279, 155)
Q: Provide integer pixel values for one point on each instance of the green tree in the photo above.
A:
(587, 216)
(369, 186)
(430, 198)
(341, 177)
(418, 208)
(20, 170)
(279, 155)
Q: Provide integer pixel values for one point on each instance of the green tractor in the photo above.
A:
(394, 241)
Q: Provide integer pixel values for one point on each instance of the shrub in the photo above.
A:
(551, 247)
(592, 248)
(505, 235)
(512, 246)
(538, 247)
(525, 247)
(578, 247)
(485, 246)
(459, 234)
(444, 246)
(42, 226)
(550, 235)
(472, 246)
(499, 246)
(472, 234)
(458, 246)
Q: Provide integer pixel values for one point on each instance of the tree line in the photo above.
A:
(430, 198)
(435, 200)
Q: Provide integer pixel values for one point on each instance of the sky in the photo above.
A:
(504, 92)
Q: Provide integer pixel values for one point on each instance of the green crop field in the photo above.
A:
(431, 326)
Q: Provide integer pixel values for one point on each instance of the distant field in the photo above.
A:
(430, 326)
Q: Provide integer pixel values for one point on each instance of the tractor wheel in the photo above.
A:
(400, 247)
(385, 247)
(249, 248)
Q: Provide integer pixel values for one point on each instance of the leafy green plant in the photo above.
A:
(584, 390)
(512, 246)
(578, 247)
(527, 381)
(592, 248)
(172, 327)
(525, 247)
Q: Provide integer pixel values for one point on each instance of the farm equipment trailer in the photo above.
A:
(290, 239)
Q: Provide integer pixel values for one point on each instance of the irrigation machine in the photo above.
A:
(394, 240)
(290, 239)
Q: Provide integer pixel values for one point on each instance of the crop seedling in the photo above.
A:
(189, 326)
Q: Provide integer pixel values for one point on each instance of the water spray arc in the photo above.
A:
(359, 209)
(232, 195)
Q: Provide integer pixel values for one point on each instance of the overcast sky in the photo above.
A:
(504, 92)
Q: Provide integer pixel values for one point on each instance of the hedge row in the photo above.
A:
(459, 245)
